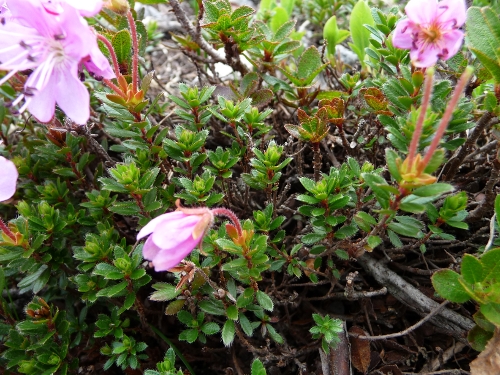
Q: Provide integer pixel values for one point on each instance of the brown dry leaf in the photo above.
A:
(488, 362)
(360, 350)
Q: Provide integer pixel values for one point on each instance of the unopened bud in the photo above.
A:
(118, 6)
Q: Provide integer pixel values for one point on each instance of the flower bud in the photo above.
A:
(118, 6)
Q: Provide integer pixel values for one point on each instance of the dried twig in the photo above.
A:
(404, 332)
(451, 168)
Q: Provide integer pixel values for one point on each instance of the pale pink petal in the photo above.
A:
(421, 12)
(150, 227)
(87, 8)
(452, 11)
(403, 37)
(72, 96)
(167, 259)
(453, 42)
(42, 104)
(150, 250)
(426, 57)
(172, 233)
(8, 179)
(98, 64)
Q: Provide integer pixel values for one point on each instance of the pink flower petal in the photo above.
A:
(421, 12)
(167, 259)
(452, 11)
(172, 233)
(87, 8)
(150, 227)
(150, 250)
(42, 104)
(453, 42)
(426, 57)
(76, 104)
(403, 35)
(8, 179)
(98, 64)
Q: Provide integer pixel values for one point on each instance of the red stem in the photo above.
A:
(109, 46)
(115, 88)
(446, 118)
(231, 216)
(412, 152)
(135, 46)
(7, 231)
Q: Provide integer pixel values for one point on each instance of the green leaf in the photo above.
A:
(228, 332)
(491, 265)
(333, 35)
(127, 208)
(491, 311)
(264, 301)
(360, 15)
(404, 229)
(210, 328)
(346, 231)
(232, 312)
(279, 18)
(483, 36)
(478, 338)
(213, 307)
(122, 44)
(373, 241)
(112, 290)
(258, 368)
(437, 188)
(312, 238)
(309, 62)
(471, 269)
(447, 285)
(390, 157)
(164, 292)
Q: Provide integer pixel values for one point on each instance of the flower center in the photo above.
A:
(431, 34)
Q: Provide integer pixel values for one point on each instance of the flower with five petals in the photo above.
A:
(431, 31)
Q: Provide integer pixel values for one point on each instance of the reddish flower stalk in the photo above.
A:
(135, 46)
(462, 82)
(116, 67)
(231, 215)
(421, 117)
(7, 231)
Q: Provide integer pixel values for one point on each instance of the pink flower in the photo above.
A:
(8, 179)
(431, 31)
(54, 47)
(172, 236)
(86, 8)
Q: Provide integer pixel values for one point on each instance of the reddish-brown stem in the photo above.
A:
(7, 231)
(115, 88)
(112, 53)
(135, 52)
(316, 161)
(446, 117)
(412, 151)
(221, 211)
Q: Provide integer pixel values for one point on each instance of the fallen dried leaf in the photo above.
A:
(488, 362)
(360, 350)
